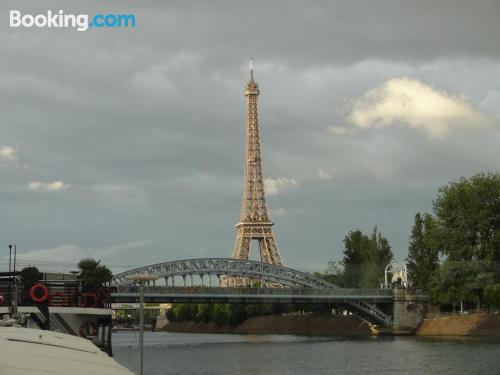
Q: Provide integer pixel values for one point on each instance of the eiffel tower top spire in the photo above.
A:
(252, 86)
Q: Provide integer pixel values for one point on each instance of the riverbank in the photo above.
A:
(293, 325)
(464, 325)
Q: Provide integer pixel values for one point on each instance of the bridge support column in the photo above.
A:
(409, 307)
(191, 279)
(166, 281)
(184, 280)
(202, 280)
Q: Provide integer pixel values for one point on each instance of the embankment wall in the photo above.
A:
(465, 325)
(299, 325)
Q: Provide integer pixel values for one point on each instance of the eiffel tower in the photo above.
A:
(255, 223)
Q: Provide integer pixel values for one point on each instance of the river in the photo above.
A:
(188, 353)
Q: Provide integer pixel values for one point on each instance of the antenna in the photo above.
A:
(251, 67)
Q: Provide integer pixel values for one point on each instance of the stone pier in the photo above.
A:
(408, 309)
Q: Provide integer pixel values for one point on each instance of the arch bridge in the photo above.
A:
(205, 269)
(205, 280)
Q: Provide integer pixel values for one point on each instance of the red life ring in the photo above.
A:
(88, 329)
(2, 300)
(44, 290)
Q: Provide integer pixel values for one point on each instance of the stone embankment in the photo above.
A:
(298, 325)
(464, 325)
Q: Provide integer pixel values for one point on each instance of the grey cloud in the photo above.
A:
(147, 124)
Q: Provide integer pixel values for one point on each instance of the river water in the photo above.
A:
(191, 353)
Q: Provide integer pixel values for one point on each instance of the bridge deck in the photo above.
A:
(159, 294)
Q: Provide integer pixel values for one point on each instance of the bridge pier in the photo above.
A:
(408, 309)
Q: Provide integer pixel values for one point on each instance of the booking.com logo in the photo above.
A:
(80, 22)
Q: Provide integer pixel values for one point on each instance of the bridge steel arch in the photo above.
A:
(287, 277)
(227, 267)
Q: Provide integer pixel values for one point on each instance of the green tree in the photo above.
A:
(204, 312)
(365, 259)
(423, 253)
(92, 273)
(375, 258)
(237, 314)
(355, 245)
(334, 273)
(30, 276)
(468, 218)
(222, 314)
(492, 295)
(456, 282)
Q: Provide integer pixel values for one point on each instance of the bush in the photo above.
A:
(492, 295)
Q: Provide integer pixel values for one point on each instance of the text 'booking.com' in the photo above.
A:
(79, 22)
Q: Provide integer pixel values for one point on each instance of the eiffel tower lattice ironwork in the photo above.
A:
(255, 223)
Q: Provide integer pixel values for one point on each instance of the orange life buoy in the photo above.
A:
(43, 288)
(88, 329)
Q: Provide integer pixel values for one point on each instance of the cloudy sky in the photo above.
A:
(127, 144)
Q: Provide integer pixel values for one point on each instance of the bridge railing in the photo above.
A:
(256, 291)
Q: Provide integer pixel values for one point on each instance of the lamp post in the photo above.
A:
(10, 280)
(141, 279)
(14, 305)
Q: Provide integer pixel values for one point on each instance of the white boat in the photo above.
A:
(26, 351)
(61, 330)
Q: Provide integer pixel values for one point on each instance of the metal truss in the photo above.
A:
(361, 302)
(219, 267)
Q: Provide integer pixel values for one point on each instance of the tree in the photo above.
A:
(423, 253)
(222, 314)
(237, 314)
(355, 244)
(492, 295)
(468, 218)
(334, 273)
(375, 258)
(93, 274)
(30, 276)
(365, 259)
(456, 282)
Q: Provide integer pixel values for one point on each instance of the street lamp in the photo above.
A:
(10, 278)
(141, 279)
